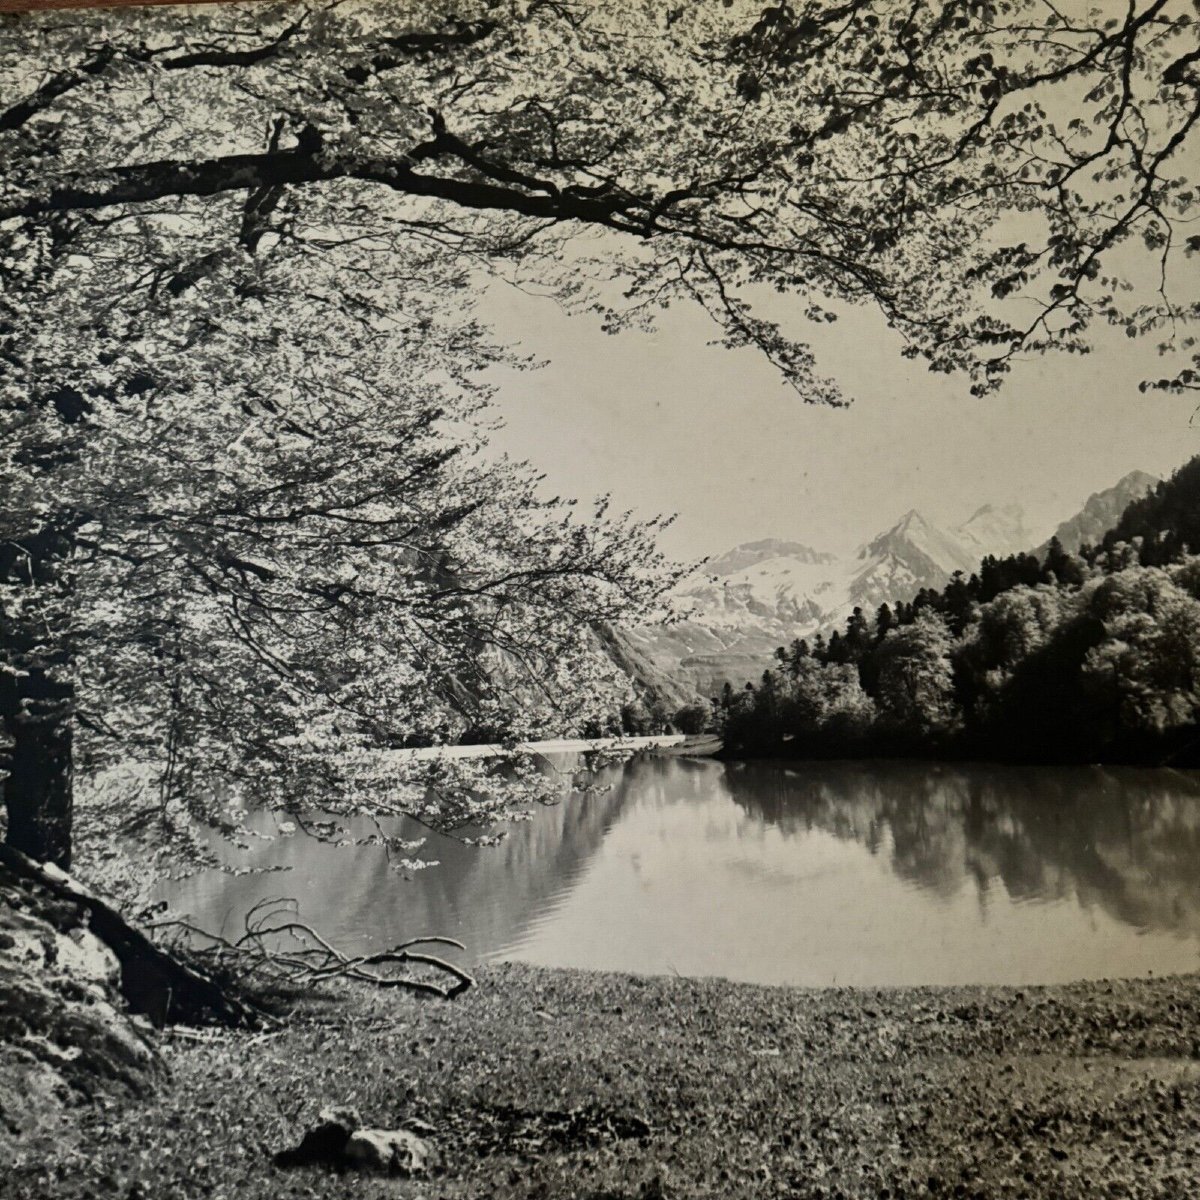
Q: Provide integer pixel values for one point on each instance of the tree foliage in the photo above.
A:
(248, 534)
(948, 163)
(1075, 658)
(253, 547)
(915, 686)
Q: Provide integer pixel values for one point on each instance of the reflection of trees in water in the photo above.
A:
(1126, 840)
(486, 896)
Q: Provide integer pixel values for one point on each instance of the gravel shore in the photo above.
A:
(542, 1083)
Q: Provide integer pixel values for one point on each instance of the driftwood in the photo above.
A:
(278, 950)
(153, 981)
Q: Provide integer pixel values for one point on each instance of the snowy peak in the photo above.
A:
(996, 529)
(896, 564)
(750, 554)
(775, 582)
(922, 546)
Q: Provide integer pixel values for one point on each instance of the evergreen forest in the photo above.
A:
(1053, 657)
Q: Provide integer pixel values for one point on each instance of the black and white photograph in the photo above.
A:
(600, 599)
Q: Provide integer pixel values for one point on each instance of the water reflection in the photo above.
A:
(1125, 840)
(484, 897)
(811, 873)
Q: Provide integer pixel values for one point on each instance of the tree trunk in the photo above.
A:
(37, 706)
(38, 793)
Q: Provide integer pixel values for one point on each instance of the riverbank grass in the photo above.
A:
(549, 1083)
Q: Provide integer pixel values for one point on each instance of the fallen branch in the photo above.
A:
(287, 952)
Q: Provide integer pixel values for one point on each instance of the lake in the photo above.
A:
(806, 873)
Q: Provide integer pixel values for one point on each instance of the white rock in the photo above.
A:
(392, 1151)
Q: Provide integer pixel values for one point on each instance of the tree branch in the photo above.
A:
(56, 86)
(142, 183)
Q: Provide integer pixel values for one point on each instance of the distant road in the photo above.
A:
(554, 746)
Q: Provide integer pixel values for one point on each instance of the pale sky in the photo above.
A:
(669, 424)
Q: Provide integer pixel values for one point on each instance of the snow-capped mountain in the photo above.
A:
(896, 564)
(1101, 512)
(735, 611)
(996, 529)
(751, 553)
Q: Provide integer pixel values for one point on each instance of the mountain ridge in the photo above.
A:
(740, 606)
(1100, 512)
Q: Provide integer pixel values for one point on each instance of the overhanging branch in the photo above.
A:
(143, 183)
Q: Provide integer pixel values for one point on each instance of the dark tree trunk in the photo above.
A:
(37, 707)
(38, 793)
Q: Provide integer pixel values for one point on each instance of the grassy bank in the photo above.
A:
(555, 1083)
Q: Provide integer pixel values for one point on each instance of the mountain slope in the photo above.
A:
(996, 529)
(1165, 520)
(735, 611)
(742, 605)
(1101, 513)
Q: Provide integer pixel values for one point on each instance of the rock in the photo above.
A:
(325, 1143)
(338, 1140)
(65, 1036)
(390, 1151)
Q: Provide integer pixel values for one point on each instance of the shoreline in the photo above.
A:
(951, 756)
(629, 744)
(553, 1082)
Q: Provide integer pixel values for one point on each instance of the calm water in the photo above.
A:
(813, 873)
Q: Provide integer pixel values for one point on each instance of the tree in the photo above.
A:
(1017, 671)
(847, 152)
(1149, 660)
(829, 701)
(817, 709)
(694, 717)
(798, 652)
(241, 560)
(858, 635)
(915, 679)
(956, 603)
(1061, 567)
(884, 620)
(1010, 628)
(838, 651)
(178, 202)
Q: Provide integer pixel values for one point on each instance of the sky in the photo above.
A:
(669, 424)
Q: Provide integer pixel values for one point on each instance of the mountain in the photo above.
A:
(750, 554)
(734, 612)
(1101, 512)
(996, 529)
(895, 565)
(738, 608)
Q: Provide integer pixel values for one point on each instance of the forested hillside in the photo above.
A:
(1088, 656)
